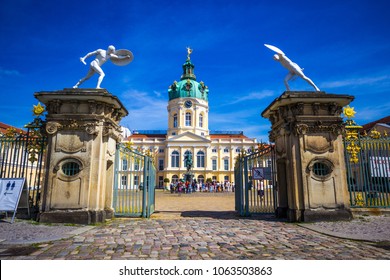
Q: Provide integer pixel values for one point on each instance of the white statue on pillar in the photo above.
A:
(119, 57)
(292, 67)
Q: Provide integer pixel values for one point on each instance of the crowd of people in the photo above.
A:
(190, 187)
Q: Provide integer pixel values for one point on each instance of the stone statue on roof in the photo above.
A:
(292, 67)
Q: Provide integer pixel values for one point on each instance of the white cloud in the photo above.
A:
(371, 113)
(355, 82)
(252, 96)
(146, 111)
(6, 72)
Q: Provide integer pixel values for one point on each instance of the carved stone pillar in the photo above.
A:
(83, 130)
(307, 132)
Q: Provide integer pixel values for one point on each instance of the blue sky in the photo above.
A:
(342, 45)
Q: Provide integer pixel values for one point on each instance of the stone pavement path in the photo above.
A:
(186, 230)
(203, 238)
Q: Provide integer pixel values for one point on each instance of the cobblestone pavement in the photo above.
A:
(185, 230)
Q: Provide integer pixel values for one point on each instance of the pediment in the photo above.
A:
(189, 137)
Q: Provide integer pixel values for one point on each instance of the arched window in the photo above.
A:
(201, 179)
(175, 159)
(188, 119)
(200, 159)
(201, 120)
(175, 120)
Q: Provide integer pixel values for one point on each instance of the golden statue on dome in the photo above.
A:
(189, 52)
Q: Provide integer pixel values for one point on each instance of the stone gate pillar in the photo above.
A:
(83, 129)
(311, 174)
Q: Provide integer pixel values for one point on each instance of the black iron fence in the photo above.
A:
(22, 155)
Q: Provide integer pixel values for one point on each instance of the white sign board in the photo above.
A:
(380, 166)
(261, 173)
(10, 191)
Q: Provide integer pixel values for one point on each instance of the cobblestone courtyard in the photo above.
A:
(196, 226)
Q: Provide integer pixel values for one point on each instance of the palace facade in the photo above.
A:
(213, 152)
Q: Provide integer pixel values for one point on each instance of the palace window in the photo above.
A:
(124, 164)
(124, 181)
(214, 164)
(201, 120)
(136, 163)
(160, 164)
(175, 120)
(200, 159)
(175, 159)
(136, 181)
(188, 119)
(226, 164)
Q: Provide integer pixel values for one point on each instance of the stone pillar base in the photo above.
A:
(307, 129)
(75, 216)
(83, 129)
(281, 212)
(327, 215)
(323, 215)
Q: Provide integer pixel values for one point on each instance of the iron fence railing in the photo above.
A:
(368, 171)
(22, 155)
(255, 182)
(134, 183)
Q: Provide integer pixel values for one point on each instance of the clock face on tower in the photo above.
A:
(188, 104)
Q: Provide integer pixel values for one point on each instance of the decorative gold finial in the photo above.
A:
(38, 110)
(349, 112)
(352, 135)
(375, 134)
(129, 145)
(189, 52)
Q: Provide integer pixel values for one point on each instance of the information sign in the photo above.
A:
(261, 173)
(10, 191)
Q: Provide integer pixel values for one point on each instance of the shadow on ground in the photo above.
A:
(221, 215)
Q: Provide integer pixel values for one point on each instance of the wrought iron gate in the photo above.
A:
(368, 168)
(22, 155)
(255, 182)
(134, 183)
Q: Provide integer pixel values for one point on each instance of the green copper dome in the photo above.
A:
(188, 86)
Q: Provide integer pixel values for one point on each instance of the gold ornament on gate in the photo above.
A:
(351, 134)
(38, 109)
